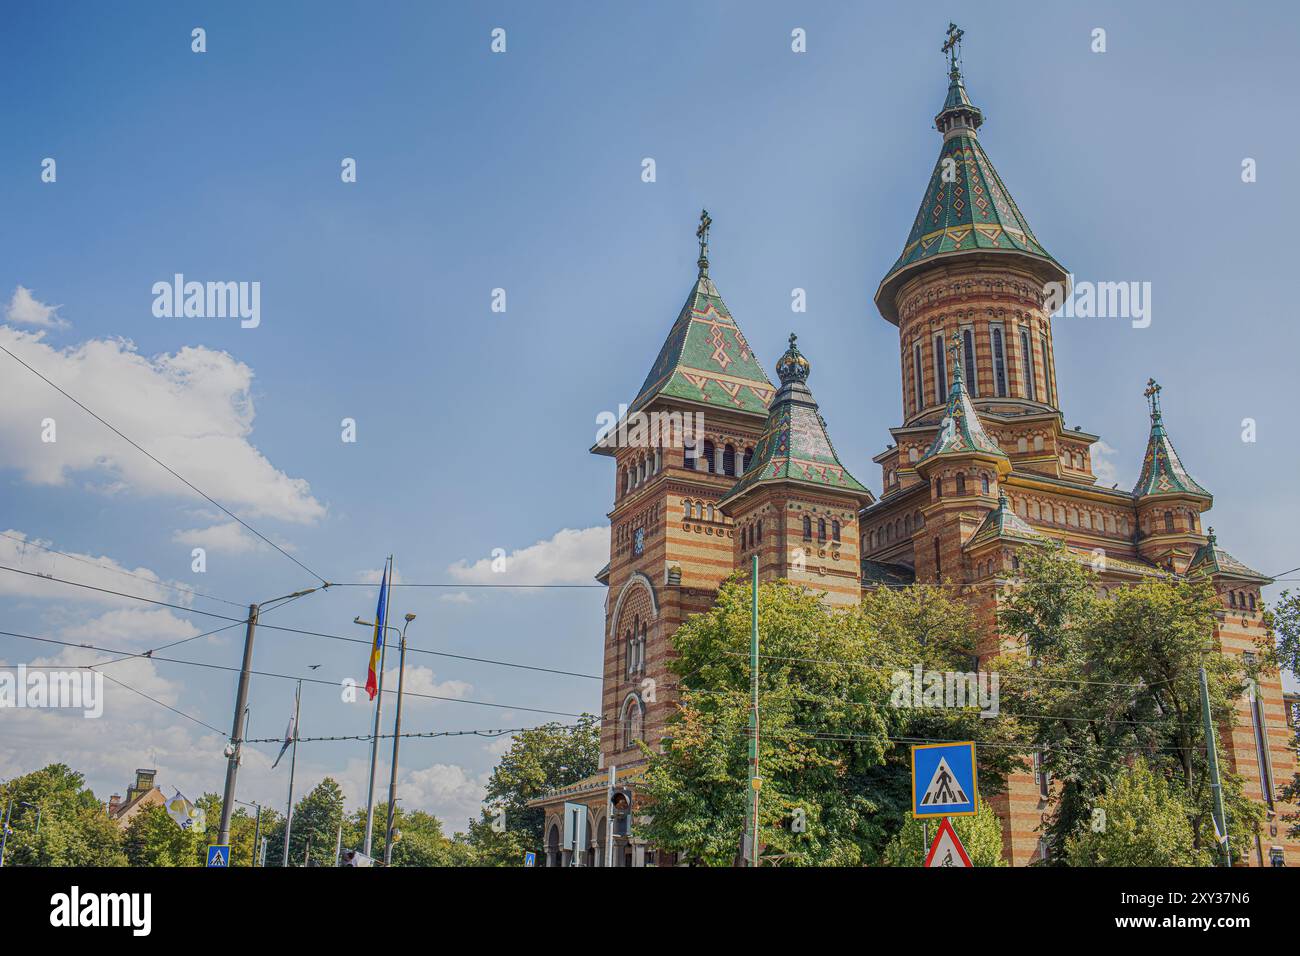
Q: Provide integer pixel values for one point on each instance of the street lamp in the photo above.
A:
(397, 739)
(241, 704)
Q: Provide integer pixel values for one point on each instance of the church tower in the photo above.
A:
(687, 436)
(796, 507)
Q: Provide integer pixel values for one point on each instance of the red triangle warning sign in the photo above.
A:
(946, 850)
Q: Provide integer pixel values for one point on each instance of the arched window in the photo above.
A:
(1169, 522)
(961, 485)
(748, 459)
(1251, 597)
(821, 529)
(938, 487)
(629, 651)
(920, 520)
(686, 508)
(709, 464)
(633, 723)
(1232, 599)
(835, 530)
(709, 513)
(729, 460)
(807, 528)
(760, 529)
(984, 484)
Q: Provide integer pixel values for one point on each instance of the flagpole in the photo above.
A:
(293, 764)
(379, 711)
(397, 739)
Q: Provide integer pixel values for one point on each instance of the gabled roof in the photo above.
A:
(1210, 559)
(960, 432)
(966, 207)
(1162, 470)
(705, 357)
(794, 446)
(1003, 524)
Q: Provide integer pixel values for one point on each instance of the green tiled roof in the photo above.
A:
(1211, 559)
(1162, 470)
(706, 358)
(794, 446)
(883, 573)
(1003, 523)
(960, 432)
(975, 212)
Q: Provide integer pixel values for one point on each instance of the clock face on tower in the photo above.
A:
(638, 541)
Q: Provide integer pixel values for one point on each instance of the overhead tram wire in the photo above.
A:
(131, 574)
(306, 680)
(303, 631)
(158, 461)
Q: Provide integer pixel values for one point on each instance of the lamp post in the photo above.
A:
(241, 703)
(397, 735)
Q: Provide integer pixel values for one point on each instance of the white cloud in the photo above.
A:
(193, 409)
(419, 680)
(456, 597)
(25, 309)
(375, 575)
(1104, 464)
(132, 628)
(452, 792)
(226, 538)
(18, 550)
(568, 557)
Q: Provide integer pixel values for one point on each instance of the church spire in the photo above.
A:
(958, 111)
(702, 234)
(795, 448)
(1162, 470)
(960, 432)
(966, 209)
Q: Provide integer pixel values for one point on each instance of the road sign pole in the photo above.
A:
(755, 781)
(1216, 787)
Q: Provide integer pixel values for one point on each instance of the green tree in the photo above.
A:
(1283, 621)
(1144, 821)
(1098, 682)
(980, 835)
(153, 839)
(538, 761)
(823, 726)
(75, 829)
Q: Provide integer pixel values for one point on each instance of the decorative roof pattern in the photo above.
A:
(705, 357)
(966, 206)
(1162, 470)
(1211, 559)
(794, 445)
(960, 432)
(1003, 523)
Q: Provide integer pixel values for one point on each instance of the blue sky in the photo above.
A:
(522, 171)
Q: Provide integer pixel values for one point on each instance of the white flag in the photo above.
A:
(185, 814)
(290, 735)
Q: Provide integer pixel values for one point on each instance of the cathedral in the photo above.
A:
(715, 465)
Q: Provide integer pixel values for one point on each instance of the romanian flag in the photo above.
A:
(377, 645)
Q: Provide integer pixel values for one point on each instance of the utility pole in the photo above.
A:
(257, 833)
(241, 702)
(338, 844)
(293, 765)
(755, 781)
(609, 816)
(1216, 787)
(397, 739)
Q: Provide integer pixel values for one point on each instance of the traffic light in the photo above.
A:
(620, 807)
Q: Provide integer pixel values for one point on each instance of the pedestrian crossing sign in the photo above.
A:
(943, 780)
(219, 854)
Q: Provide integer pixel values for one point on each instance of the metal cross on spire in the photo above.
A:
(952, 46)
(954, 353)
(702, 233)
(1153, 398)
